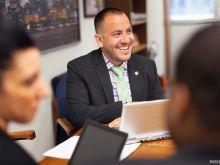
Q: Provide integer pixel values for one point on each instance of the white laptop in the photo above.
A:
(144, 121)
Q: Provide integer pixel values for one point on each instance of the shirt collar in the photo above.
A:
(110, 65)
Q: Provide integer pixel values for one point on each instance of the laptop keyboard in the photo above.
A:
(146, 139)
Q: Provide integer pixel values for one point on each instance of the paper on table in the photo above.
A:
(65, 149)
(128, 149)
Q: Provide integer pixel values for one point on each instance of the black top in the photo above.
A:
(11, 153)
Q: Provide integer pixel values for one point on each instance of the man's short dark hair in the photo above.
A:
(198, 67)
(101, 15)
(12, 38)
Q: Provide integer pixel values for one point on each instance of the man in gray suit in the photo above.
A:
(99, 83)
(194, 111)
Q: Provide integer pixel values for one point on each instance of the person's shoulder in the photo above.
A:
(10, 149)
(84, 59)
(5, 140)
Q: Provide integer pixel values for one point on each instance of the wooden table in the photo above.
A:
(154, 149)
(157, 149)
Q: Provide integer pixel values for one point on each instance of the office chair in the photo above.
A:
(22, 135)
(63, 127)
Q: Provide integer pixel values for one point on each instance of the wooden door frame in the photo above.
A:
(167, 36)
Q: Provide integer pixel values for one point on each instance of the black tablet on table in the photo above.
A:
(98, 143)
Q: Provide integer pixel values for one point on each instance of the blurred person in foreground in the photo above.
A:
(193, 115)
(21, 89)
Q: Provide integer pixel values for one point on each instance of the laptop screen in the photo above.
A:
(145, 119)
(98, 142)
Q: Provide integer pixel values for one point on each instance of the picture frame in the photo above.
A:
(92, 7)
(52, 24)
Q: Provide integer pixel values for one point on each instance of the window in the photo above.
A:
(181, 10)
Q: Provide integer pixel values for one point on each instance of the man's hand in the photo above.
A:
(115, 123)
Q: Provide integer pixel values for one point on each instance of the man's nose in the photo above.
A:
(43, 90)
(125, 38)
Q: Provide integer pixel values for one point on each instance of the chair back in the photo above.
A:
(59, 89)
(59, 106)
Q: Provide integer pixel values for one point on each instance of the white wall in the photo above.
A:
(155, 31)
(179, 34)
(54, 63)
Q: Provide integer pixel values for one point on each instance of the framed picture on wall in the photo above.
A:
(92, 7)
(52, 23)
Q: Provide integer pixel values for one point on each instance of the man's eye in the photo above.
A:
(129, 31)
(28, 82)
(116, 34)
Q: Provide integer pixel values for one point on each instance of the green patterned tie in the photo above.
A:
(122, 85)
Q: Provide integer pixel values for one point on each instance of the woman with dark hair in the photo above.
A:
(21, 89)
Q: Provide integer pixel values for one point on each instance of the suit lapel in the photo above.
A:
(135, 78)
(103, 76)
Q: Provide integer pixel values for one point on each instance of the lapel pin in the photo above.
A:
(136, 73)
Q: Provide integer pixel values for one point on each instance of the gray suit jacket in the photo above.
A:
(89, 88)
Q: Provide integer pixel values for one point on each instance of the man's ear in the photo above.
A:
(99, 40)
